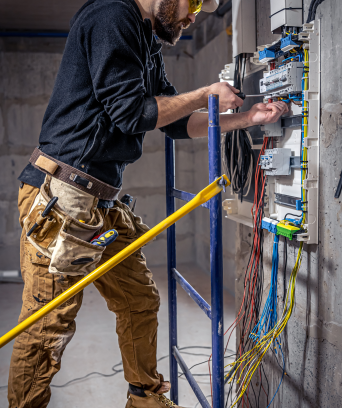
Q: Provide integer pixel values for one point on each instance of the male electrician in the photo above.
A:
(110, 90)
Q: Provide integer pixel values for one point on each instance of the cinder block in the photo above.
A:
(148, 171)
(2, 129)
(9, 223)
(11, 167)
(24, 124)
(28, 74)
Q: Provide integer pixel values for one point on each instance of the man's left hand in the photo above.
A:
(261, 113)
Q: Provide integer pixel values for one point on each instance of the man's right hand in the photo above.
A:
(227, 95)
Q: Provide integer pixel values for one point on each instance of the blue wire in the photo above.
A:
(282, 377)
(268, 317)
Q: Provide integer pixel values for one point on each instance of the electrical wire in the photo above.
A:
(313, 9)
(237, 147)
(250, 361)
(117, 371)
(248, 314)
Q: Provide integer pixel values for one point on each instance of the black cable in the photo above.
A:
(292, 215)
(313, 9)
(116, 371)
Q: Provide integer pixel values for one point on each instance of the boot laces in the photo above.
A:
(166, 401)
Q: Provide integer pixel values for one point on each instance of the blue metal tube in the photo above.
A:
(183, 195)
(195, 296)
(171, 264)
(216, 262)
(192, 382)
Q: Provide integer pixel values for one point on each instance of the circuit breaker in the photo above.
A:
(289, 156)
(276, 162)
(284, 80)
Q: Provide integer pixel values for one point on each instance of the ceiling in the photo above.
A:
(48, 15)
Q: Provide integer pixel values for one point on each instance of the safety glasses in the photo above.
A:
(195, 6)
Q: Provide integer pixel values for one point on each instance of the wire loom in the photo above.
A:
(237, 148)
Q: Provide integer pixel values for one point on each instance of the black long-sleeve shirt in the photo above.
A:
(103, 99)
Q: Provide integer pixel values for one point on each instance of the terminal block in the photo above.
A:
(283, 81)
(287, 230)
(269, 225)
(276, 162)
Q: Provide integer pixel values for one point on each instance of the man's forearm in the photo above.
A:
(198, 123)
(173, 108)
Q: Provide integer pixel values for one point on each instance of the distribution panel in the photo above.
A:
(289, 156)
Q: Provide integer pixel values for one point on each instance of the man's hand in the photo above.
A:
(262, 113)
(227, 95)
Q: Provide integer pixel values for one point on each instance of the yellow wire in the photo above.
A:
(254, 357)
(305, 123)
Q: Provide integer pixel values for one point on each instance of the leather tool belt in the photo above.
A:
(72, 176)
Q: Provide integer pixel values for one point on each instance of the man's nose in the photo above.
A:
(192, 17)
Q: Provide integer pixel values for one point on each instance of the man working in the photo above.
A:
(110, 90)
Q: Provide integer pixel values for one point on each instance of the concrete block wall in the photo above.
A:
(26, 81)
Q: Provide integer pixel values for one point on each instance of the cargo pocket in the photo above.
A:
(41, 280)
(64, 282)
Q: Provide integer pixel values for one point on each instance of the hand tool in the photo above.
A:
(105, 239)
(243, 96)
(126, 199)
(45, 213)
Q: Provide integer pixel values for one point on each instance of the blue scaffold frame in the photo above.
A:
(215, 311)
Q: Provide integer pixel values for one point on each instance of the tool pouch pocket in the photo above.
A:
(48, 227)
(72, 255)
(61, 237)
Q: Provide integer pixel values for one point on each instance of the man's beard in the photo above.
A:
(167, 26)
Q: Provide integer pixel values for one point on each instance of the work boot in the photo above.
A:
(150, 400)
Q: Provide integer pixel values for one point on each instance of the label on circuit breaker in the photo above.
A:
(283, 80)
(276, 162)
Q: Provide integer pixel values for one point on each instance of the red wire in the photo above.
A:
(250, 280)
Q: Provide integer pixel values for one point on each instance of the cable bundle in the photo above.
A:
(313, 9)
(248, 315)
(268, 317)
(248, 363)
(239, 150)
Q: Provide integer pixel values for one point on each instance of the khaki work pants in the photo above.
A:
(128, 290)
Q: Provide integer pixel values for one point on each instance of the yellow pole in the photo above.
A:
(202, 197)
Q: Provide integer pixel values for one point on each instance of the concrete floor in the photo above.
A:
(94, 346)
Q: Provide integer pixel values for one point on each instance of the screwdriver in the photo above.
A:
(45, 213)
(105, 239)
(243, 96)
